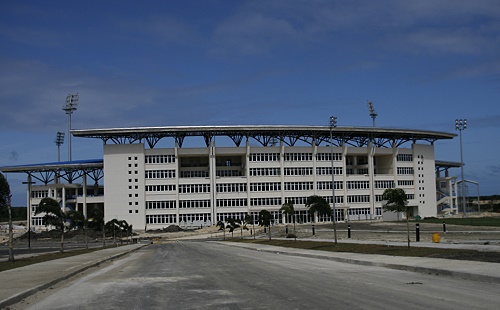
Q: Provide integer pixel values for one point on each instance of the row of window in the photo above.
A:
(159, 159)
(404, 157)
(405, 170)
(295, 157)
(160, 174)
(231, 187)
(194, 188)
(184, 204)
(236, 202)
(165, 204)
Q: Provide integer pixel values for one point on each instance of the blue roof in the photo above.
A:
(74, 164)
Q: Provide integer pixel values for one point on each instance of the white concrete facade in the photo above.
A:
(152, 188)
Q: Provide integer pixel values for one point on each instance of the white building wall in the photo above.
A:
(190, 197)
(124, 191)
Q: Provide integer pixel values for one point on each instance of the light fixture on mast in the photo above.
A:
(70, 106)
(373, 114)
(59, 141)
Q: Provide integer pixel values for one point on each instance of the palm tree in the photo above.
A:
(322, 207)
(112, 225)
(222, 226)
(5, 202)
(265, 220)
(54, 215)
(232, 224)
(395, 200)
(288, 209)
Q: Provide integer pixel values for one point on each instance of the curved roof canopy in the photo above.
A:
(266, 134)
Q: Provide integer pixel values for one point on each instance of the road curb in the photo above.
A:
(418, 269)
(20, 296)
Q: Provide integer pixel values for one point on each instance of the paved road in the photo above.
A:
(200, 275)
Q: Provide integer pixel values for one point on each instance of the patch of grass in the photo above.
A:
(471, 221)
(493, 257)
(21, 262)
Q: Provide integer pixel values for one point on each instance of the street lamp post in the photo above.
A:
(70, 106)
(29, 182)
(333, 124)
(460, 125)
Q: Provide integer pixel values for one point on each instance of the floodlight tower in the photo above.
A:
(69, 108)
(373, 114)
(460, 125)
(59, 141)
(333, 124)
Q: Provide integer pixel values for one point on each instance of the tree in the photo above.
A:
(222, 227)
(317, 204)
(77, 219)
(111, 226)
(287, 209)
(54, 215)
(249, 220)
(5, 203)
(265, 220)
(96, 221)
(395, 200)
(232, 224)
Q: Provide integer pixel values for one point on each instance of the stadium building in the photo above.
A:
(262, 167)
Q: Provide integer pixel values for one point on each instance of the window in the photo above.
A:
(183, 204)
(404, 157)
(265, 187)
(194, 188)
(327, 185)
(160, 174)
(298, 171)
(358, 185)
(265, 157)
(328, 170)
(161, 204)
(405, 170)
(384, 184)
(328, 156)
(298, 157)
(255, 172)
(160, 159)
(231, 187)
(298, 186)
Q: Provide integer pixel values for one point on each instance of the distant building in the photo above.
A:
(153, 187)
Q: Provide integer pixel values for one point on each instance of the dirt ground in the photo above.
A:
(378, 231)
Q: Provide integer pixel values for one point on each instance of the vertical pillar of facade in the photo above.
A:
(282, 165)
(247, 172)
(344, 179)
(212, 166)
(371, 178)
(314, 165)
(177, 178)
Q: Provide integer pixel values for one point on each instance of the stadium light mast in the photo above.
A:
(333, 124)
(373, 114)
(59, 141)
(70, 106)
(460, 125)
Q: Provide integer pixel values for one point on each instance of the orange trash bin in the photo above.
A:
(436, 237)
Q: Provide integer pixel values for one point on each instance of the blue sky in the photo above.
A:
(158, 63)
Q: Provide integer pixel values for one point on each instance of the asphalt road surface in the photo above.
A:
(204, 275)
